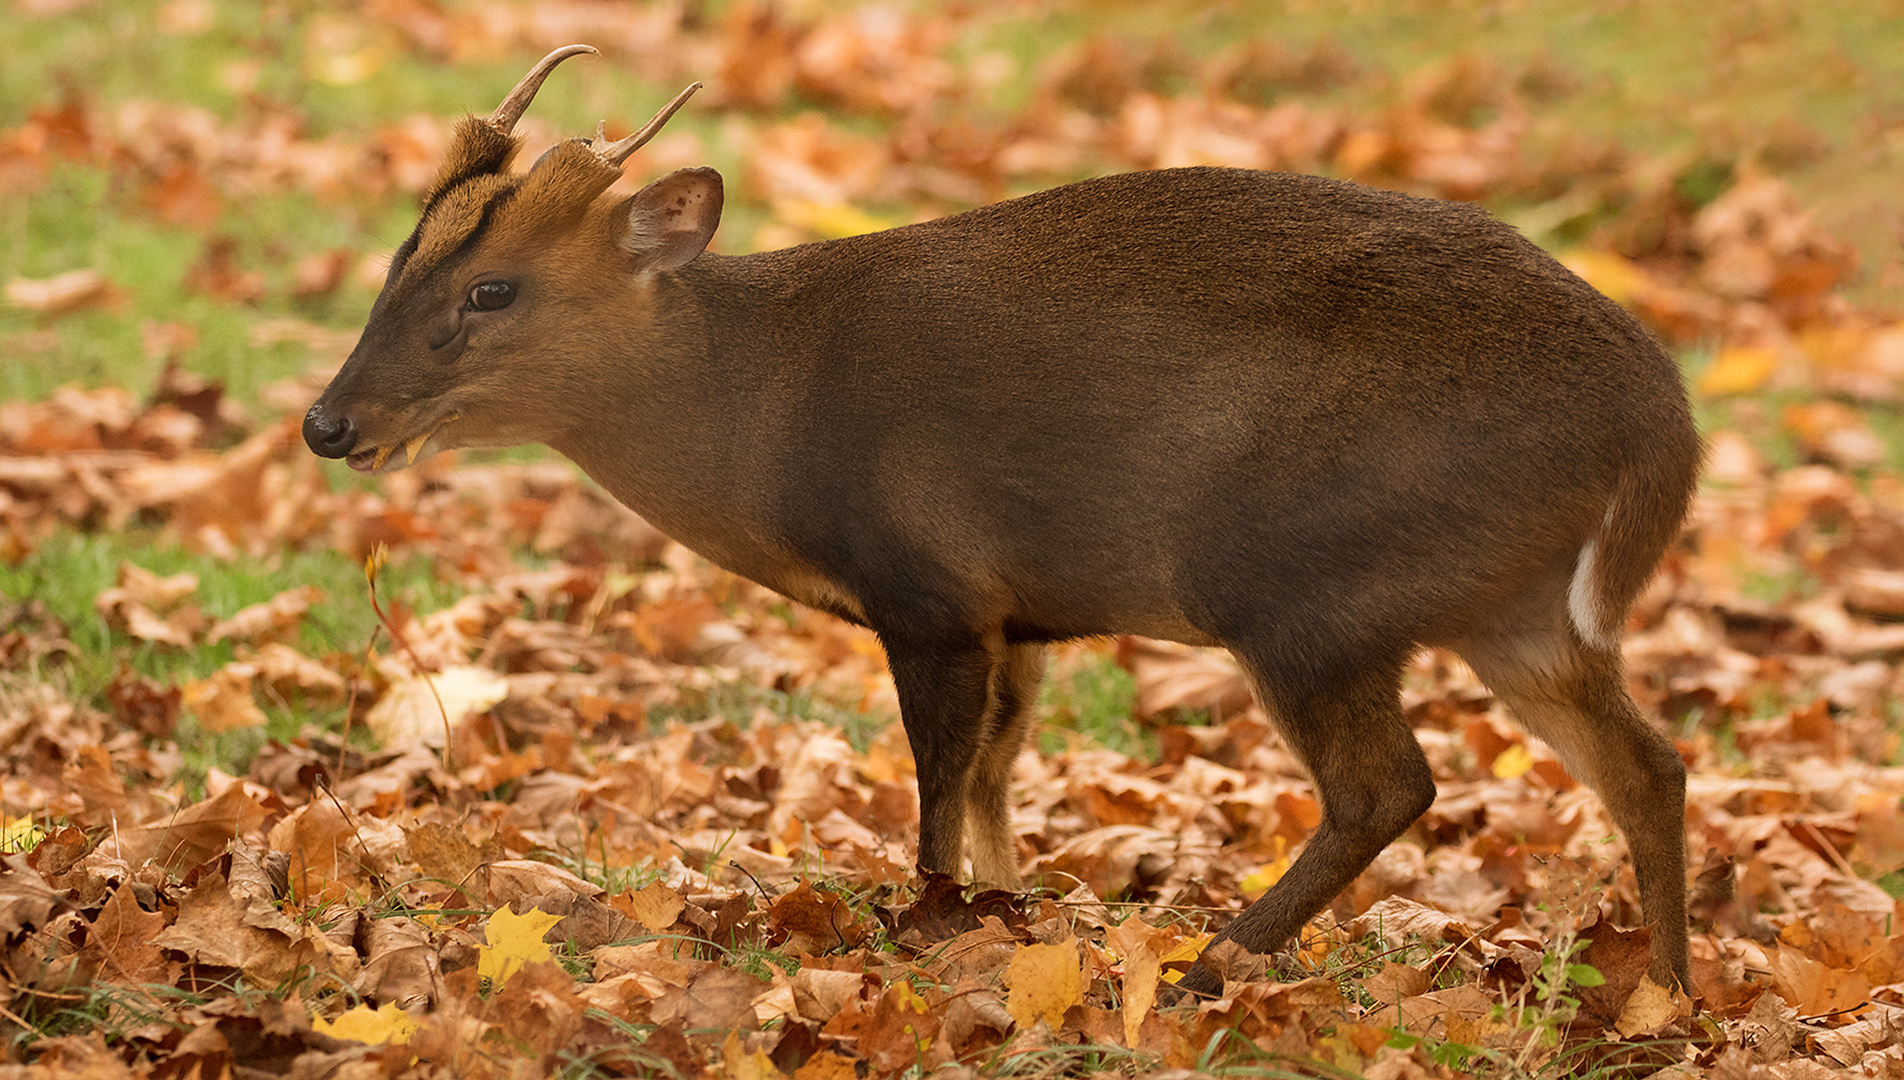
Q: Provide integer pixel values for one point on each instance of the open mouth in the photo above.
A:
(375, 458)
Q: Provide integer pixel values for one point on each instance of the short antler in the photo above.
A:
(512, 107)
(617, 152)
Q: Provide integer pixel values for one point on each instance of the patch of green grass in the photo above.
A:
(68, 570)
(1892, 883)
(1093, 702)
(742, 703)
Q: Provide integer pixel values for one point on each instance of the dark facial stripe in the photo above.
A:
(463, 244)
(404, 251)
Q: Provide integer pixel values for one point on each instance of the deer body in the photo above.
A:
(1317, 424)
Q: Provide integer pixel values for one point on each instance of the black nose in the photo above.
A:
(328, 436)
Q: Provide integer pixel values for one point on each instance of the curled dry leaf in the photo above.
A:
(273, 621)
(197, 833)
(516, 879)
(216, 928)
(152, 608)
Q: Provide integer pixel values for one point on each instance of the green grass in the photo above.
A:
(1093, 702)
(69, 569)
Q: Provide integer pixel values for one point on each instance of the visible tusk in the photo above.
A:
(616, 153)
(415, 446)
(512, 107)
(383, 455)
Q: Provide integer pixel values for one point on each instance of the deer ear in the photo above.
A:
(671, 220)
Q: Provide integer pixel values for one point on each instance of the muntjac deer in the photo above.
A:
(1317, 424)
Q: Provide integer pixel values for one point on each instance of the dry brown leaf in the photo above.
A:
(216, 928)
(418, 709)
(199, 832)
(222, 701)
(813, 923)
(655, 907)
(119, 946)
(523, 879)
(273, 621)
(718, 999)
(62, 294)
(820, 995)
(889, 1032)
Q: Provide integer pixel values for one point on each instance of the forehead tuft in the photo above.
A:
(453, 219)
(476, 149)
(559, 189)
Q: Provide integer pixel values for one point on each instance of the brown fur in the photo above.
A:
(1318, 424)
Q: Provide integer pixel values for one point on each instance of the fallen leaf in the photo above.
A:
(416, 710)
(361, 1023)
(1737, 369)
(512, 940)
(61, 294)
(1045, 981)
(655, 907)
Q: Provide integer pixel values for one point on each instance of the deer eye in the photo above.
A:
(492, 296)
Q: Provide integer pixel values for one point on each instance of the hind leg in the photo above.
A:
(1572, 695)
(1370, 776)
(987, 804)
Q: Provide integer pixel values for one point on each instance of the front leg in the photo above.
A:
(944, 684)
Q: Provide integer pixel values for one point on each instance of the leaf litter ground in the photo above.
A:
(579, 818)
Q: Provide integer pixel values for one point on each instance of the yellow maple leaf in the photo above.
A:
(364, 1024)
(1045, 981)
(514, 940)
(1512, 762)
